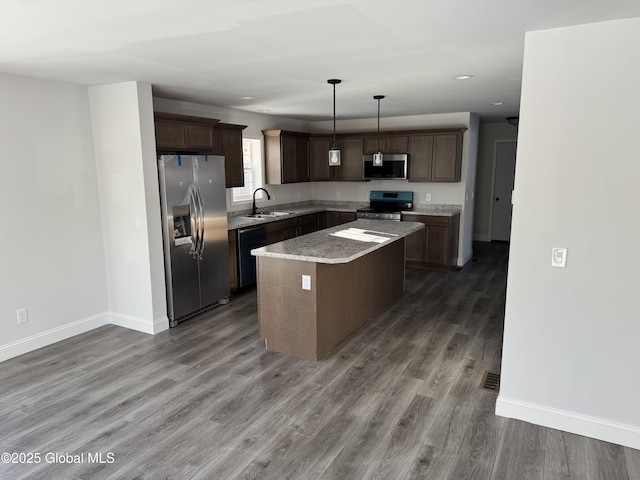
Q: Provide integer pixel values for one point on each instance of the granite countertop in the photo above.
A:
(239, 220)
(322, 247)
(436, 210)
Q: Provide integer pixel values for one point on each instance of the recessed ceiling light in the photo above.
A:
(462, 77)
(497, 104)
(248, 98)
(264, 110)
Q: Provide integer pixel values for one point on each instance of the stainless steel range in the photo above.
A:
(386, 205)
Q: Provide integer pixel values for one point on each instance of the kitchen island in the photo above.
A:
(314, 290)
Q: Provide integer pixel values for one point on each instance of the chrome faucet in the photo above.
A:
(253, 209)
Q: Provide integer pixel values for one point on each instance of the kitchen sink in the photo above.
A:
(268, 215)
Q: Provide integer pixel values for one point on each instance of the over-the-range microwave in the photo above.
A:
(394, 167)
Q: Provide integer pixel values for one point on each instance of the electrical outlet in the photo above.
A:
(338, 195)
(23, 317)
(427, 197)
(306, 282)
(299, 196)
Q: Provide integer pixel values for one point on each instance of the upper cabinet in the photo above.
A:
(184, 133)
(351, 166)
(435, 157)
(389, 143)
(229, 139)
(351, 150)
(204, 136)
(286, 156)
(319, 147)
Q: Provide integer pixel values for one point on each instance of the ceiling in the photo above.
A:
(275, 56)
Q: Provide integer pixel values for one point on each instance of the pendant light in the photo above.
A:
(377, 157)
(334, 153)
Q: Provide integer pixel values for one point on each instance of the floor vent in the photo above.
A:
(474, 260)
(491, 381)
(458, 269)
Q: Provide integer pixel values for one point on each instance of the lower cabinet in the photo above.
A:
(233, 259)
(280, 230)
(435, 246)
(331, 219)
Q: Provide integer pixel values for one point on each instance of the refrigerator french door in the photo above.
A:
(194, 222)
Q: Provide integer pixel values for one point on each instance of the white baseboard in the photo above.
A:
(465, 259)
(34, 342)
(613, 432)
(54, 335)
(139, 324)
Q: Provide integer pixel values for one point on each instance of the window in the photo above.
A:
(252, 163)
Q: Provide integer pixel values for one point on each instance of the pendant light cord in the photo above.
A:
(334, 115)
(378, 124)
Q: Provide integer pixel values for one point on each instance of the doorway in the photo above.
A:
(504, 174)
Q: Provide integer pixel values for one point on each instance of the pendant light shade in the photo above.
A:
(377, 157)
(334, 153)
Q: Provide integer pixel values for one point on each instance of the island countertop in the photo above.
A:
(323, 247)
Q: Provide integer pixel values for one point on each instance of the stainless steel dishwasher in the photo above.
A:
(248, 239)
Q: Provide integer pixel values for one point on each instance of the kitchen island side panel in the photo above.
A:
(309, 323)
(350, 293)
(286, 312)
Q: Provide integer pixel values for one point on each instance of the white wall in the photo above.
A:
(460, 193)
(256, 122)
(490, 134)
(571, 335)
(51, 250)
(122, 118)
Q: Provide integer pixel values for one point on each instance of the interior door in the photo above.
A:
(503, 188)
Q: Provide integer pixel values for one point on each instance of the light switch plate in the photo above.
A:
(306, 282)
(559, 257)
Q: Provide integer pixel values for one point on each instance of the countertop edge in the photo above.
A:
(410, 227)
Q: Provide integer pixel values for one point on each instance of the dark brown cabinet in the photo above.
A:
(319, 147)
(286, 156)
(435, 246)
(205, 136)
(351, 166)
(230, 145)
(388, 144)
(233, 259)
(332, 219)
(435, 157)
(308, 224)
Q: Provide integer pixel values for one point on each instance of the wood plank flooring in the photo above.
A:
(398, 399)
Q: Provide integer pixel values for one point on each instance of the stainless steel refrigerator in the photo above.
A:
(194, 223)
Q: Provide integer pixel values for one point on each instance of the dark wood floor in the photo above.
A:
(399, 399)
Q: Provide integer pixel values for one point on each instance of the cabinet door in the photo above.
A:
(351, 168)
(230, 142)
(170, 135)
(420, 158)
(388, 144)
(346, 217)
(200, 138)
(233, 259)
(308, 224)
(331, 219)
(319, 158)
(288, 158)
(446, 158)
(302, 159)
(437, 252)
(416, 242)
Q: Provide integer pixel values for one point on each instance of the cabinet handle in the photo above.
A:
(497, 199)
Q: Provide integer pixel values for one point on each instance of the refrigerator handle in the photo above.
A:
(201, 222)
(195, 223)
